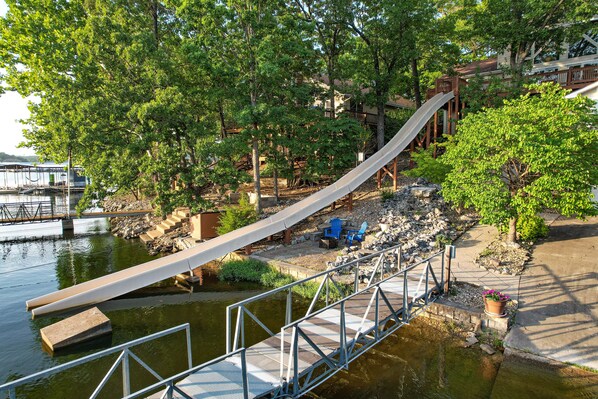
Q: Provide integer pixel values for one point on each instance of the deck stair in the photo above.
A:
(173, 221)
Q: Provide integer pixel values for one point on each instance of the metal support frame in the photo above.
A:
(122, 360)
(296, 382)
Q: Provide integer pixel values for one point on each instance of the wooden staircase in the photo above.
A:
(172, 222)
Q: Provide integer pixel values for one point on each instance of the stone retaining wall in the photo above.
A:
(474, 319)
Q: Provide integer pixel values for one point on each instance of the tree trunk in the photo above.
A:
(255, 155)
(380, 121)
(512, 235)
(222, 121)
(416, 89)
(275, 183)
(330, 70)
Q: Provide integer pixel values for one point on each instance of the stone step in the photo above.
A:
(145, 238)
(164, 228)
(171, 222)
(176, 218)
(182, 212)
(155, 234)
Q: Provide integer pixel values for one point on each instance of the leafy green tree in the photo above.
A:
(386, 32)
(536, 152)
(329, 19)
(517, 25)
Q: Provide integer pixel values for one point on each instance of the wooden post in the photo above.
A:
(248, 249)
(447, 265)
(394, 174)
(287, 236)
(350, 202)
(379, 179)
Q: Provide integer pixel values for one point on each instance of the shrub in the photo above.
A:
(259, 272)
(236, 217)
(428, 167)
(531, 228)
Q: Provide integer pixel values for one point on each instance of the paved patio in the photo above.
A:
(557, 294)
(464, 268)
(558, 313)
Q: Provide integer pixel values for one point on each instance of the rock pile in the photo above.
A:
(415, 218)
(131, 226)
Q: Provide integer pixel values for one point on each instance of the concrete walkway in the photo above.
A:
(464, 268)
(557, 294)
(558, 309)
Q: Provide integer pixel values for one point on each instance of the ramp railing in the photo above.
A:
(388, 315)
(24, 212)
(122, 361)
(325, 287)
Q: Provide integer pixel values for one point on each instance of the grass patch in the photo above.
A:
(386, 195)
(259, 272)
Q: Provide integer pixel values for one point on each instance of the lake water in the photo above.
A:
(416, 362)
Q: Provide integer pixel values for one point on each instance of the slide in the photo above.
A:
(119, 283)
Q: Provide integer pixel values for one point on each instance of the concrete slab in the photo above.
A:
(464, 268)
(558, 313)
(81, 327)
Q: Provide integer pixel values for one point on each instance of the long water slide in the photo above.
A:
(124, 281)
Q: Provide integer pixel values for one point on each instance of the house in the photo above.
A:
(347, 103)
(574, 66)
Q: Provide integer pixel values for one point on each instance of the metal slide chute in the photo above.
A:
(124, 281)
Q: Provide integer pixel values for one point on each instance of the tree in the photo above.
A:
(536, 152)
(329, 19)
(387, 32)
(517, 25)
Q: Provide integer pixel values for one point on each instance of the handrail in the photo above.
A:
(169, 382)
(315, 276)
(231, 342)
(347, 352)
(405, 270)
(12, 385)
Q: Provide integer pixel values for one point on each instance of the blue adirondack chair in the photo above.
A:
(334, 231)
(357, 235)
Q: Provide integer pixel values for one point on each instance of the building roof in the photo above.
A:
(483, 66)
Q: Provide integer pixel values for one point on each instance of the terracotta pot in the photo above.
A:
(495, 308)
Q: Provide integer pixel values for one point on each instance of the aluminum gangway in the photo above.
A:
(355, 306)
(124, 281)
(48, 211)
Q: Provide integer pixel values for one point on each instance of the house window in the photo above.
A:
(585, 46)
(548, 55)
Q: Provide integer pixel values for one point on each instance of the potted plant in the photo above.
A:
(495, 303)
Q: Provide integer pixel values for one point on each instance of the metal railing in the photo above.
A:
(122, 361)
(420, 285)
(329, 288)
(170, 382)
(24, 212)
(295, 382)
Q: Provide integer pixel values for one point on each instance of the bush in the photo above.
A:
(428, 167)
(531, 228)
(236, 217)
